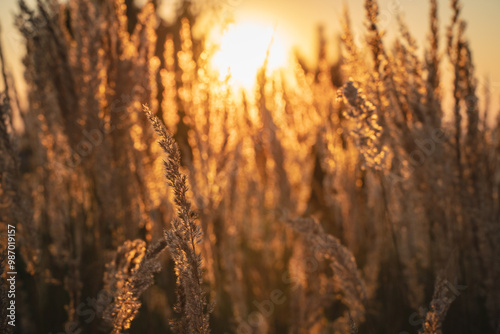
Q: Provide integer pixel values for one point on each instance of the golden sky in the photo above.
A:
(295, 21)
(298, 19)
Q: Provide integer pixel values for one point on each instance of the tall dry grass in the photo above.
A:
(345, 201)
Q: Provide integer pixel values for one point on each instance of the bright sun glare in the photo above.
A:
(243, 49)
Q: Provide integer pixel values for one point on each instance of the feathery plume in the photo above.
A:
(182, 238)
(127, 277)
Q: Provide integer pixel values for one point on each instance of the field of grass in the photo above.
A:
(148, 195)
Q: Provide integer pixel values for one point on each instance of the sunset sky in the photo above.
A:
(295, 22)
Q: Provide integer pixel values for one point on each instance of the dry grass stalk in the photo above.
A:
(127, 277)
(182, 238)
(367, 129)
(341, 260)
(439, 306)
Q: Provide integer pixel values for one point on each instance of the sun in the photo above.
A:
(243, 48)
